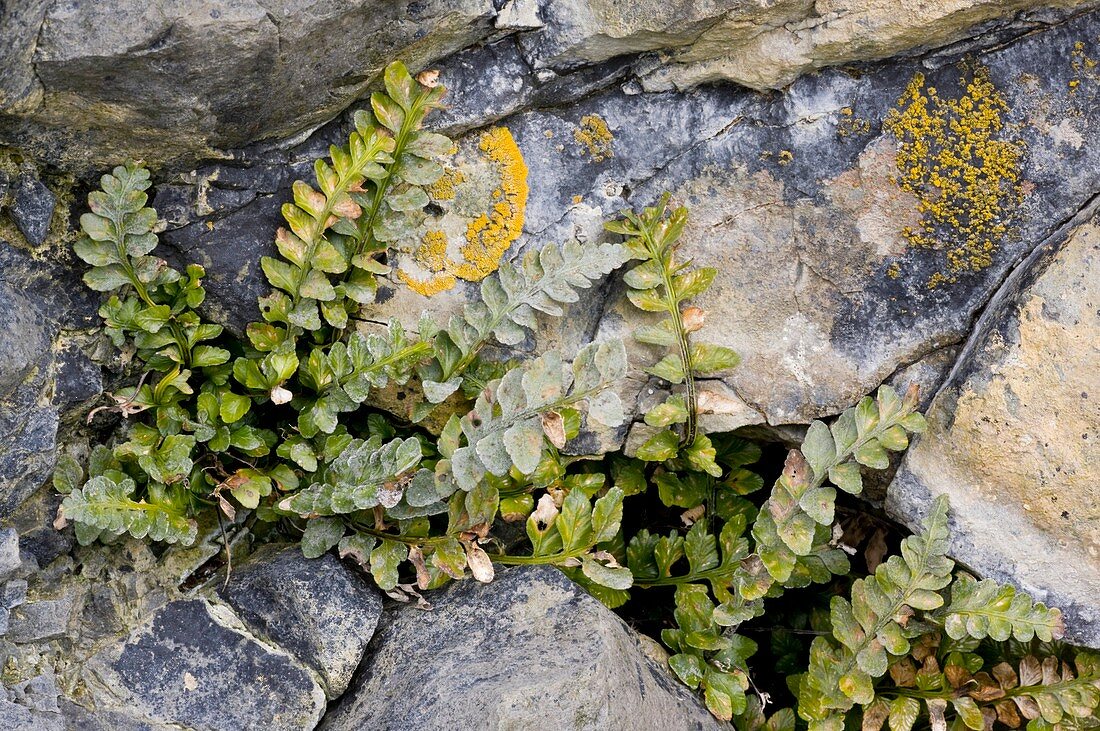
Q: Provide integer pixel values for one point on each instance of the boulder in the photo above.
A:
(194, 665)
(1014, 435)
(529, 650)
(79, 77)
(319, 610)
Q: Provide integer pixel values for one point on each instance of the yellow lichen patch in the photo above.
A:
(894, 271)
(489, 235)
(444, 188)
(956, 157)
(849, 124)
(1082, 64)
(785, 157)
(595, 137)
(496, 183)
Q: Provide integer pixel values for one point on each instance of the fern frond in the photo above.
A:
(801, 503)
(871, 628)
(985, 608)
(661, 284)
(363, 198)
(511, 421)
(106, 503)
(365, 475)
(544, 281)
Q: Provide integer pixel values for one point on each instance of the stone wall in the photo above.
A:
(891, 191)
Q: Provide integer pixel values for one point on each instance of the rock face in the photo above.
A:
(316, 609)
(211, 65)
(189, 665)
(891, 191)
(1013, 437)
(529, 650)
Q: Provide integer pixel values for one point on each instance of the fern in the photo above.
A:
(362, 199)
(545, 280)
(365, 475)
(985, 608)
(511, 422)
(663, 284)
(900, 611)
(106, 505)
(801, 506)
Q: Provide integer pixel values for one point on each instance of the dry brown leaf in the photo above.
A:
(693, 318)
(1007, 714)
(428, 78)
(481, 566)
(904, 673)
(957, 675)
(692, 516)
(553, 426)
(1029, 709)
(416, 558)
(1031, 673)
(545, 512)
(1005, 675)
(936, 709)
(876, 549)
(987, 689)
(875, 715)
(60, 522)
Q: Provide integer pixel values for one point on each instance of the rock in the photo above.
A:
(769, 45)
(9, 552)
(43, 619)
(319, 610)
(1014, 436)
(529, 650)
(192, 664)
(32, 209)
(224, 75)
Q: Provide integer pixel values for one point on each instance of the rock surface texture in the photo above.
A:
(1012, 436)
(529, 650)
(891, 191)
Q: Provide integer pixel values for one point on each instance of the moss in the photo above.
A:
(595, 137)
(488, 235)
(956, 156)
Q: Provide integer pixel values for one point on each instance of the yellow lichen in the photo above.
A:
(894, 271)
(595, 137)
(849, 124)
(954, 156)
(785, 157)
(488, 235)
(444, 188)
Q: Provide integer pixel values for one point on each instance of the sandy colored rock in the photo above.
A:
(1014, 440)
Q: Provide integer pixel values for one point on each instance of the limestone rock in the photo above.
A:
(1014, 437)
(319, 610)
(767, 45)
(529, 650)
(193, 665)
(223, 74)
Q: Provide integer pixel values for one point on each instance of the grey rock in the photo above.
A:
(319, 610)
(32, 208)
(17, 717)
(39, 620)
(192, 664)
(38, 693)
(1014, 435)
(529, 650)
(9, 552)
(223, 75)
(78, 718)
(14, 593)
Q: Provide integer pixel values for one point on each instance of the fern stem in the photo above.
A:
(690, 397)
